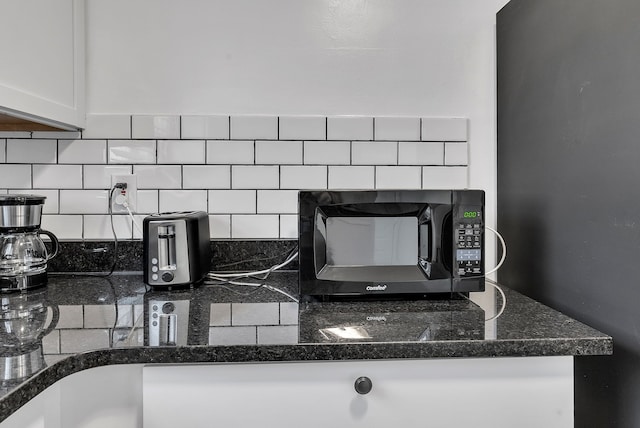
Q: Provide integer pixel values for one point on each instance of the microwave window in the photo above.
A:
(371, 241)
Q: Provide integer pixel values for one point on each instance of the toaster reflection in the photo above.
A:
(370, 321)
(171, 319)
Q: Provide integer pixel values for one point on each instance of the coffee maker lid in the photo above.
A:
(21, 200)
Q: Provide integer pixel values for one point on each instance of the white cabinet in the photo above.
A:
(43, 62)
(481, 392)
(486, 392)
(102, 397)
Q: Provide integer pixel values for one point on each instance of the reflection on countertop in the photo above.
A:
(78, 322)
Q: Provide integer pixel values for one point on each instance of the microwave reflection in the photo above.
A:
(419, 321)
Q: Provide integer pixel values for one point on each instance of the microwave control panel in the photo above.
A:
(468, 231)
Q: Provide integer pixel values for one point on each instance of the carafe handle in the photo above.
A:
(55, 317)
(54, 243)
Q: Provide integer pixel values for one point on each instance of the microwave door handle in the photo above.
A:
(426, 243)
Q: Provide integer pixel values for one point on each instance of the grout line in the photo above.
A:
(326, 128)
(373, 130)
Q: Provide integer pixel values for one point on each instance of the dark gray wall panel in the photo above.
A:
(569, 179)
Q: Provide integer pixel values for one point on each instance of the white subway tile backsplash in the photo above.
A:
(107, 126)
(374, 153)
(205, 127)
(278, 152)
(15, 134)
(451, 177)
(160, 127)
(350, 128)
(158, 176)
(206, 177)
(137, 228)
(456, 153)
(244, 170)
(147, 201)
(232, 201)
(397, 128)
(420, 153)
(254, 127)
(181, 151)
(220, 227)
(64, 226)
(57, 176)
(182, 200)
(302, 128)
(277, 201)
(82, 151)
(254, 226)
(289, 227)
(99, 227)
(132, 151)
(327, 152)
(398, 177)
(230, 152)
(84, 201)
(255, 177)
(303, 177)
(351, 177)
(32, 151)
(99, 176)
(57, 135)
(444, 129)
(15, 176)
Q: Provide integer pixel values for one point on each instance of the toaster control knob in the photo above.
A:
(167, 277)
(168, 308)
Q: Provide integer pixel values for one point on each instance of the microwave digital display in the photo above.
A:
(390, 242)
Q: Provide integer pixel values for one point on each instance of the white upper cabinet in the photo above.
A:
(43, 61)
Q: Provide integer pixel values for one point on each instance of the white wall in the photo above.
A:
(375, 58)
(330, 57)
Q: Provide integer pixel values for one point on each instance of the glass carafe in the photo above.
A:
(24, 253)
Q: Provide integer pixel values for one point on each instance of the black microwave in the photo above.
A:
(390, 243)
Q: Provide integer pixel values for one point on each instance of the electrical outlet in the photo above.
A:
(126, 196)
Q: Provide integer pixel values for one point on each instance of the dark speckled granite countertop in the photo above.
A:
(80, 322)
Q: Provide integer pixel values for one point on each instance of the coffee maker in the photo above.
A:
(23, 255)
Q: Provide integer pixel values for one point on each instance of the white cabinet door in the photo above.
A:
(42, 65)
(102, 397)
(498, 392)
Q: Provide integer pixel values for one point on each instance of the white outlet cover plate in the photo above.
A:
(132, 190)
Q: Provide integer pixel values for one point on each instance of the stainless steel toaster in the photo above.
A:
(176, 248)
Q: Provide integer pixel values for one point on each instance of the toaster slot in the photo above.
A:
(167, 247)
